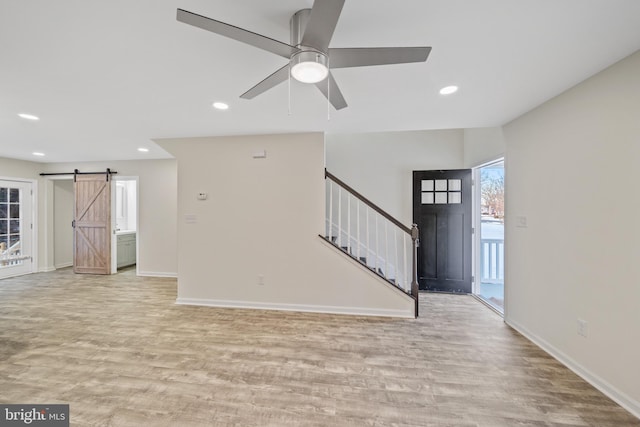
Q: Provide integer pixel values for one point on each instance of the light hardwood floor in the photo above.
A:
(121, 353)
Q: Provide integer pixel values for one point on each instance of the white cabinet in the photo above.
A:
(126, 249)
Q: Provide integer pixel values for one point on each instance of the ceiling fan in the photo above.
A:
(310, 57)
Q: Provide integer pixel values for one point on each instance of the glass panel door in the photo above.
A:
(490, 257)
(15, 228)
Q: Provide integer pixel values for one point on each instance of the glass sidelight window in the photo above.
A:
(441, 191)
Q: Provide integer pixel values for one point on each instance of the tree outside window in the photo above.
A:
(492, 192)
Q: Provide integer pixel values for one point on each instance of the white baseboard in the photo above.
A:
(64, 265)
(20, 274)
(358, 311)
(45, 270)
(609, 390)
(157, 274)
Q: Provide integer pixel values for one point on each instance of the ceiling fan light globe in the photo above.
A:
(309, 66)
(309, 72)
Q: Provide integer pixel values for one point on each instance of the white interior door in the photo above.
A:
(16, 228)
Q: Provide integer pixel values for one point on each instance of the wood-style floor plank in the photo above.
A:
(121, 353)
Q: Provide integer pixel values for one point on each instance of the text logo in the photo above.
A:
(34, 415)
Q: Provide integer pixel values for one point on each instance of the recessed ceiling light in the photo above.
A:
(143, 150)
(28, 116)
(220, 105)
(448, 90)
(37, 153)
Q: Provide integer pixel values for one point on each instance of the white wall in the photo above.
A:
(11, 168)
(573, 169)
(157, 192)
(62, 217)
(263, 218)
(380, 165)
(483, 145)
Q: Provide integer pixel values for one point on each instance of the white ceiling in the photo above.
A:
(107, 77)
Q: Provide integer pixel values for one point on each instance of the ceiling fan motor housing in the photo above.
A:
(310, 64)
(297, 25)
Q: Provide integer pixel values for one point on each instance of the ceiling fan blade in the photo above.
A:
(337, 100)
(273, 80)
(237, 33)
(364, 56)
(322, 23)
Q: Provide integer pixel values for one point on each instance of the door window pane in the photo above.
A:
(455, 185)
(3, 226)
(427, 185)
(14, 196)
(3, 195)
(455, 197)
(441, 185)
(427, 198)
(14, 226)
(441, 198)
(14, 211)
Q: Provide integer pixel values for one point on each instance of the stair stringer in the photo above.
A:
(364, 286)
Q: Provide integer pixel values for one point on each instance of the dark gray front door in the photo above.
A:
(442, 210)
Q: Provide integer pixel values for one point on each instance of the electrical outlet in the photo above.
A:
(260, 280)
(582, 328)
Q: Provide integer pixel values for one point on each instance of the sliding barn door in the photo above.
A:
(92, 224)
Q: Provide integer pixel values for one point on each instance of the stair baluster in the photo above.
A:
(373, 250)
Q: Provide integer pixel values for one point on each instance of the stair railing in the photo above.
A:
(372, 236)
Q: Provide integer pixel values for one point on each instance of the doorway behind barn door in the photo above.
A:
(442, 206)
(124, 223)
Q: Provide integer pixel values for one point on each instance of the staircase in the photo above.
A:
(370, 236)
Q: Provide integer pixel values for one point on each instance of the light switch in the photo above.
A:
(262, 154)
